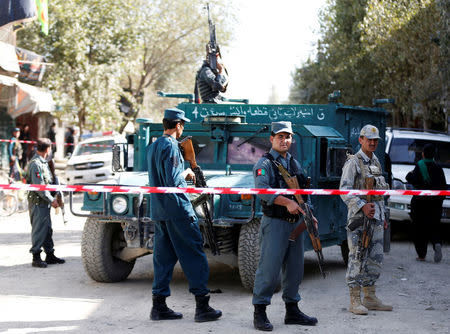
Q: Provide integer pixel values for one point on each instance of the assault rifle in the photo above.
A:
(59, 195)
(189, 155)
(367, 230)
(308, 221)
(212, 47)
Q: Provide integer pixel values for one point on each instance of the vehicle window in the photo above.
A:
(204, 149)
(251, 151)
(409, 151)
(103, 146)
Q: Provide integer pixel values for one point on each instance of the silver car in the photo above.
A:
(91, 160)
(405, 148)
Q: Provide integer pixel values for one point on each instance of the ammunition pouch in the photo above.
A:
(278, 211)
(34, 198)
(354, 224)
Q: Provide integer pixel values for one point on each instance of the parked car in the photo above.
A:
(91, 160)
(404, 147)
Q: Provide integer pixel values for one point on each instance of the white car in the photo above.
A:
(405, 149)
(91, 161)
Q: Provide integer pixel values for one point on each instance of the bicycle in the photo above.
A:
(12, 200)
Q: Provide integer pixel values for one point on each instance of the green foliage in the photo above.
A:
(378, 48)
(100, 48)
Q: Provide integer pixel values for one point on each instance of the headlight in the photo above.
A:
(398, 185)
(93, 196)
(120, 204)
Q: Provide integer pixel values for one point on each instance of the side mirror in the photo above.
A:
(116, 165)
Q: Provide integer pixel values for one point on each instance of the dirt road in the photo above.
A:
(63, 299)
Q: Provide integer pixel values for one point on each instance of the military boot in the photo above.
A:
(160, 311)
(204, 312)
(355, 301)
(50, 258)
(372, 302)
(260, 320)
(296, 317)
(37, 261)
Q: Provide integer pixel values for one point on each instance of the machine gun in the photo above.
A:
(189, 155)
(367, 230)
(308, 221)
(212, 47)
(59, 195)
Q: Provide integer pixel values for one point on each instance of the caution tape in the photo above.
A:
(65, 144)
(218, 191)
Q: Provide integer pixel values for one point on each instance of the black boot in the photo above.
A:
(160, 311)
(260, 320)
(204, 312)
(50, 258)
(37, 261)
(296, 317)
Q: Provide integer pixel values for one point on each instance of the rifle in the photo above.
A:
(308, 222)
(367, 232)
(212, 47)
(188, 152)
(59, 195)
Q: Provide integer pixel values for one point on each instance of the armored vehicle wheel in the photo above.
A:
(100, 241)
(248, 253)
(344, 252)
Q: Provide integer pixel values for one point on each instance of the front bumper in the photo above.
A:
(400, 209)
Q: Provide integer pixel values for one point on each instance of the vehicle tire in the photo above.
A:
(248, 253)
(99, 243)
(344, 252)
(8, 204)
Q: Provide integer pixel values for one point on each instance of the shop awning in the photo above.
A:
(8, 58)
(31, 99)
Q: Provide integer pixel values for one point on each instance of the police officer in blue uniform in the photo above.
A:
(282, 215)
(177, 234)
(39, 204)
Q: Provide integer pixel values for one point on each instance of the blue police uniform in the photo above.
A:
(177, 234)
(39, 203)
(277, 253)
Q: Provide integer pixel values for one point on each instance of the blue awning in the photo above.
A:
(17, 11)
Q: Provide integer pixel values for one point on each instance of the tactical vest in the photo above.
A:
(280, 211)
(369, 170)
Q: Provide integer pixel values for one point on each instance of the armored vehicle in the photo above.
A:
(228, 140)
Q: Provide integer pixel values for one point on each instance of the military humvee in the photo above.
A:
(228, 140)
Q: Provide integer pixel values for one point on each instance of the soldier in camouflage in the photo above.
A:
(39, 203)
(356, 169)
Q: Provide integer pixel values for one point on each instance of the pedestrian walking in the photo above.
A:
(426, 211)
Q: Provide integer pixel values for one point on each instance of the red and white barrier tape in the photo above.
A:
(65, 144)
(238, 191)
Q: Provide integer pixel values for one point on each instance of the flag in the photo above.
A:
(42, 14)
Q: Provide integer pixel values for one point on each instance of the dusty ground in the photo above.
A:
(63, 299)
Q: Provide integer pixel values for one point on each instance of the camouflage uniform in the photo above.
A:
(356, 168)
